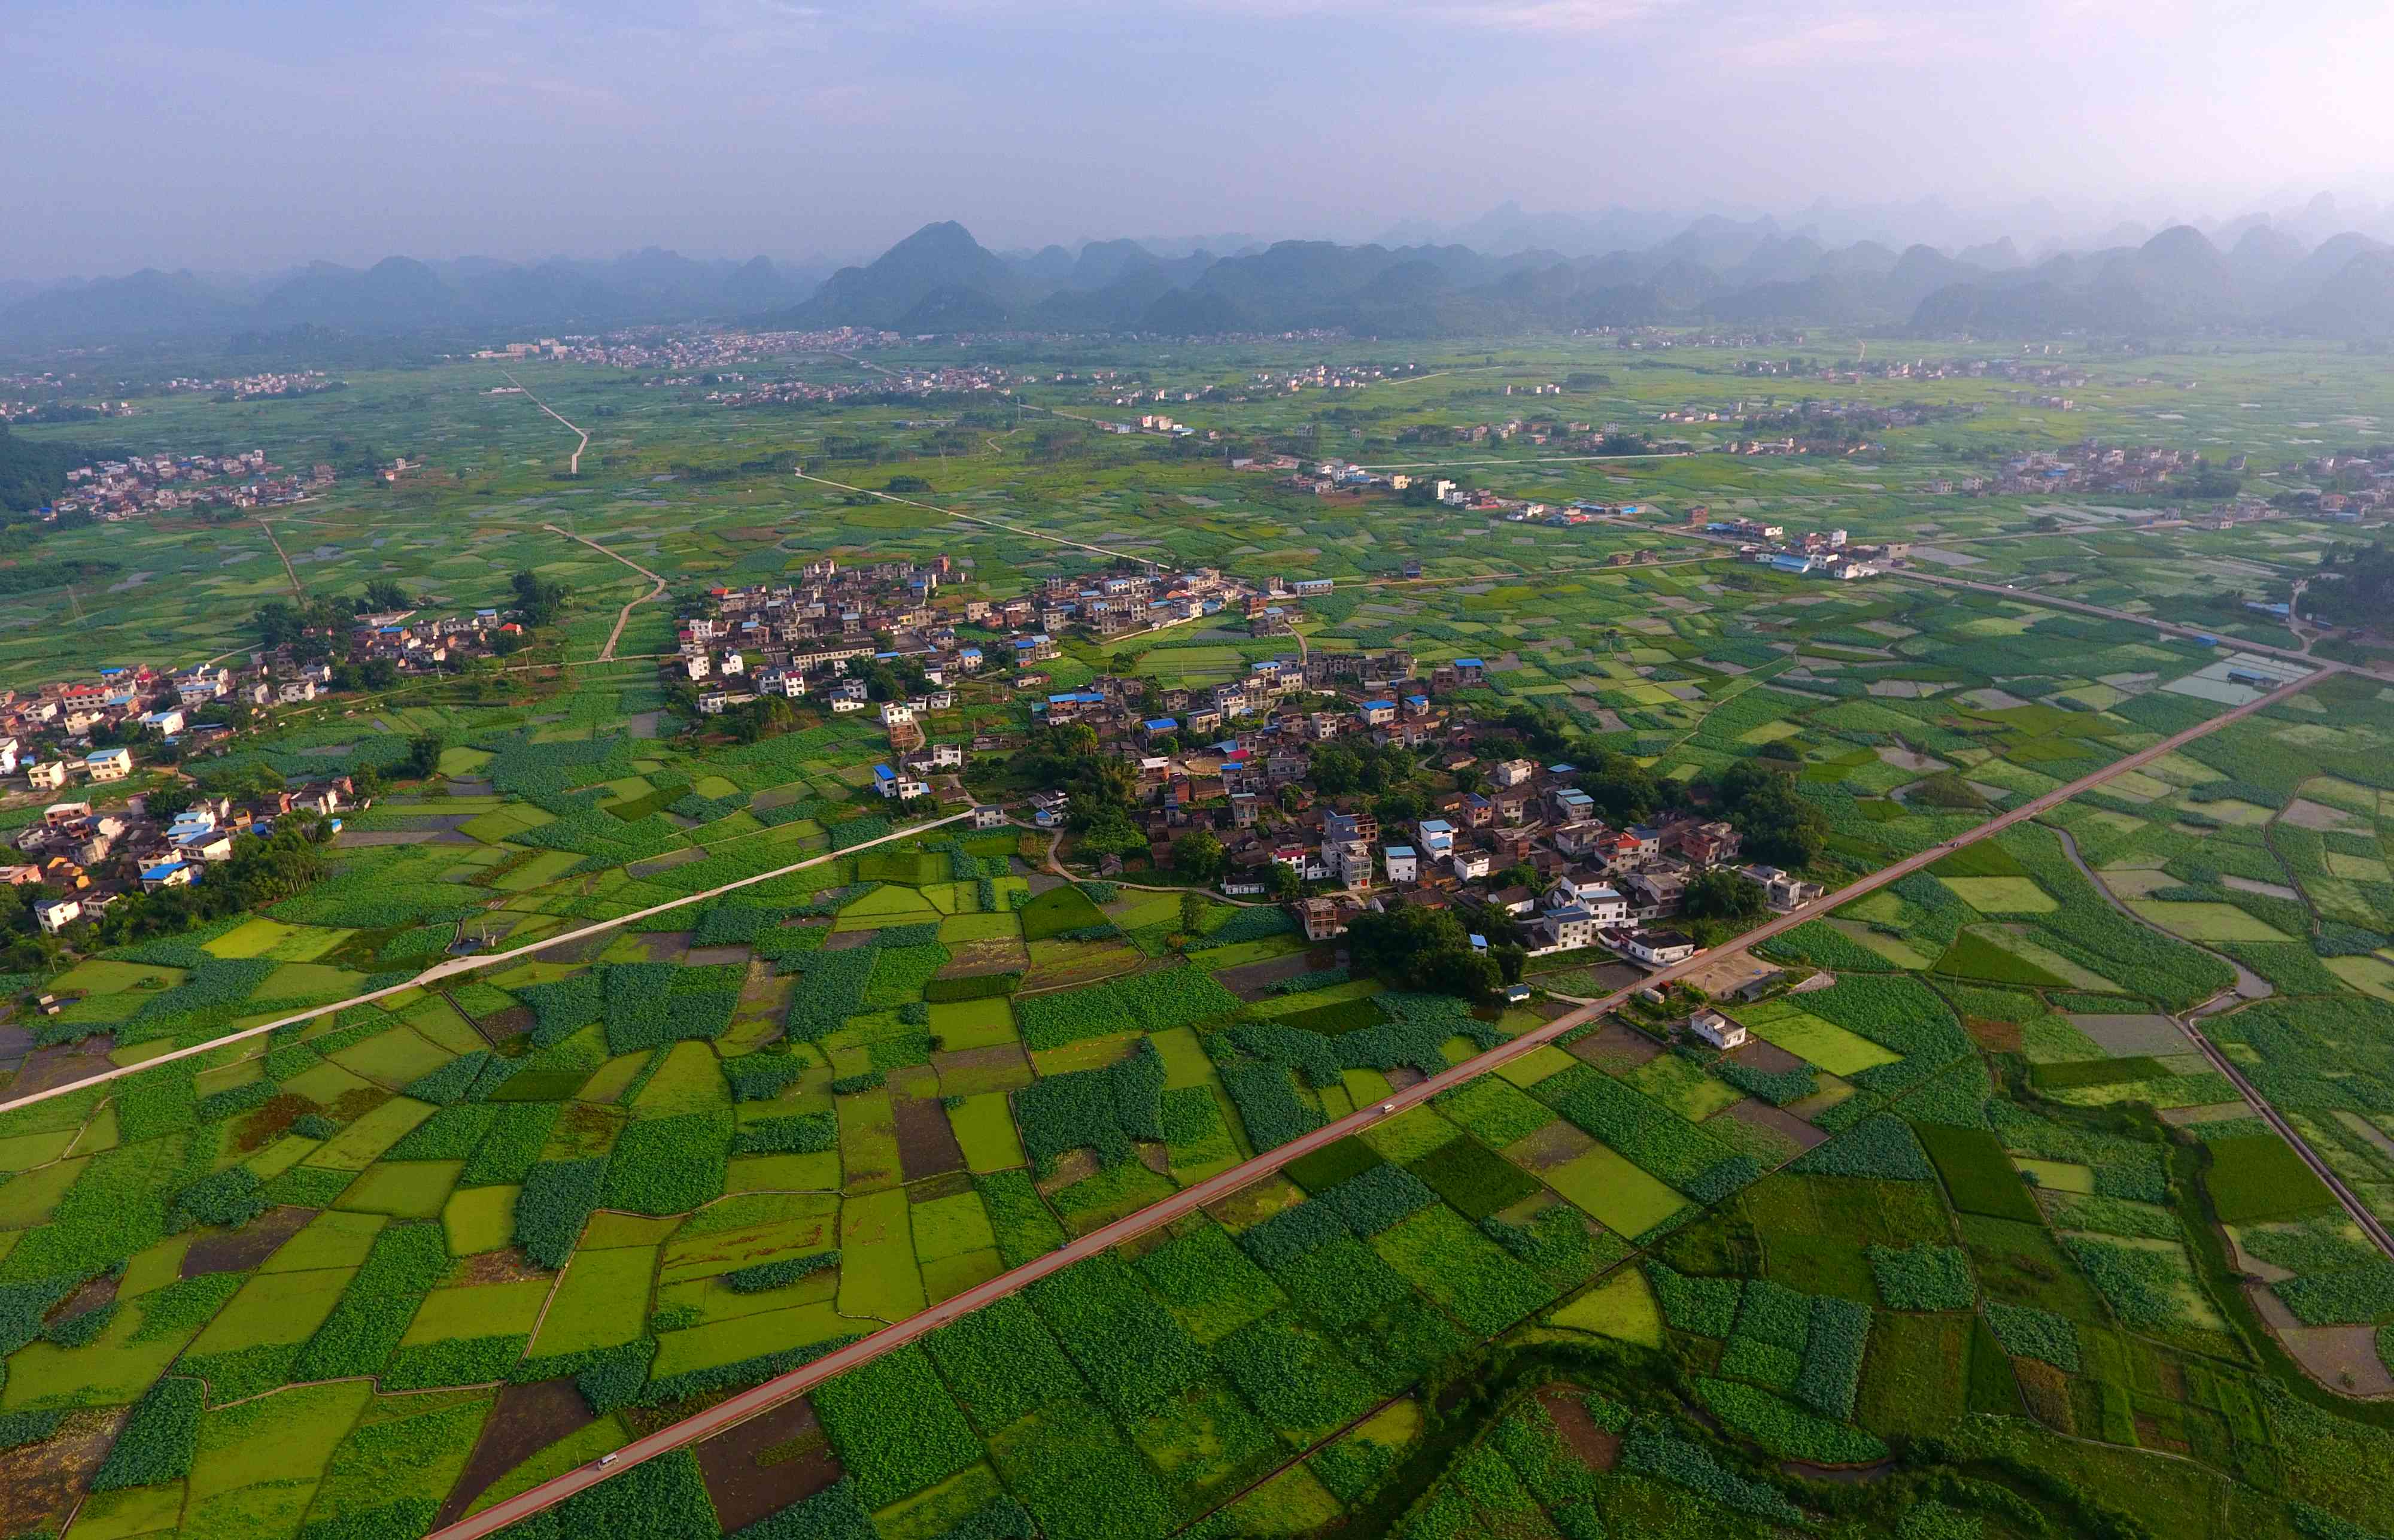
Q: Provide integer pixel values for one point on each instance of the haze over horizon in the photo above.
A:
(256, 137)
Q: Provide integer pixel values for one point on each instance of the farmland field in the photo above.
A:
(1969, 1184)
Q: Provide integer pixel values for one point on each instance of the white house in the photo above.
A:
(1781, 890)
(1403, 865)
(734, 663)
(1564, 929)
(1436, 836)
(695, 665)
(109, 764)
(1716, 1028)
(1658, 948)
(989, 815)
(47, 777)
(56, 914)
(167, 722)
(1471, 863)
(169, 874)
(1601, 898)
(7, 755)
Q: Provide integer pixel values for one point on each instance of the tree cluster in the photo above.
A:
(1425, 950)
(1778, 825)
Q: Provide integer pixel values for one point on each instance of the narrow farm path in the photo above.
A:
(607, 653)
(1189, 1200)
(453, 967)
(573, 465)
(2249, 987)
(284, 557)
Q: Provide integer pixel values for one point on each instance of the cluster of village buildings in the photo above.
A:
(96, 857)
(48, 736)
(112, 489)
(2023, 368)
(679, 348)
(945, 380)
(1237, 759)
(272, 384)
(1262, 385)
(1812, 553)
(794, 639)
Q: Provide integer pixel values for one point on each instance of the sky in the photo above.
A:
(247, 137)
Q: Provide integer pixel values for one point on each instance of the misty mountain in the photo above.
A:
(148, 301)
(940, 280)
(400, 295)
(935, 260)
(2180, 279)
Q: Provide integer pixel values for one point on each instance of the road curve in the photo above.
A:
(772, 1392)
(607, 653)
(573, 465)
(474, 963)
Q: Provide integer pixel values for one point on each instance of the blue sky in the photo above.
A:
(220, 136)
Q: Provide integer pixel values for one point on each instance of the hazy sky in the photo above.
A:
(217, 135)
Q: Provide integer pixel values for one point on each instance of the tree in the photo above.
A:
(1192, 912)
(423, 759)
(1420, 949)
(1283, 882)
(1620, 787)
(1337, 771)
(1108, 832)
(539, 600)
(1778, 824)
(1198, 854)
(1722, 894)
(385, 594)
(1509, 960)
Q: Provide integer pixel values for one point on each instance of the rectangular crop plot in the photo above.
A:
(1623, 1198)
(2003, 895)
(1481, 1284)
(1817, 1042)
(1475, 1180)
(1977, 1175)
(1057, 910)
(2262, 1177)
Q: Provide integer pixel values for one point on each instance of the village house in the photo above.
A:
(1715, 1029)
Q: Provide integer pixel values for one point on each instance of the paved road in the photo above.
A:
(474, 963)
(2249, 987)
(1189, 1200)
(2055, 601)
(607, 653)
(573, 467)
(2369, 1222)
